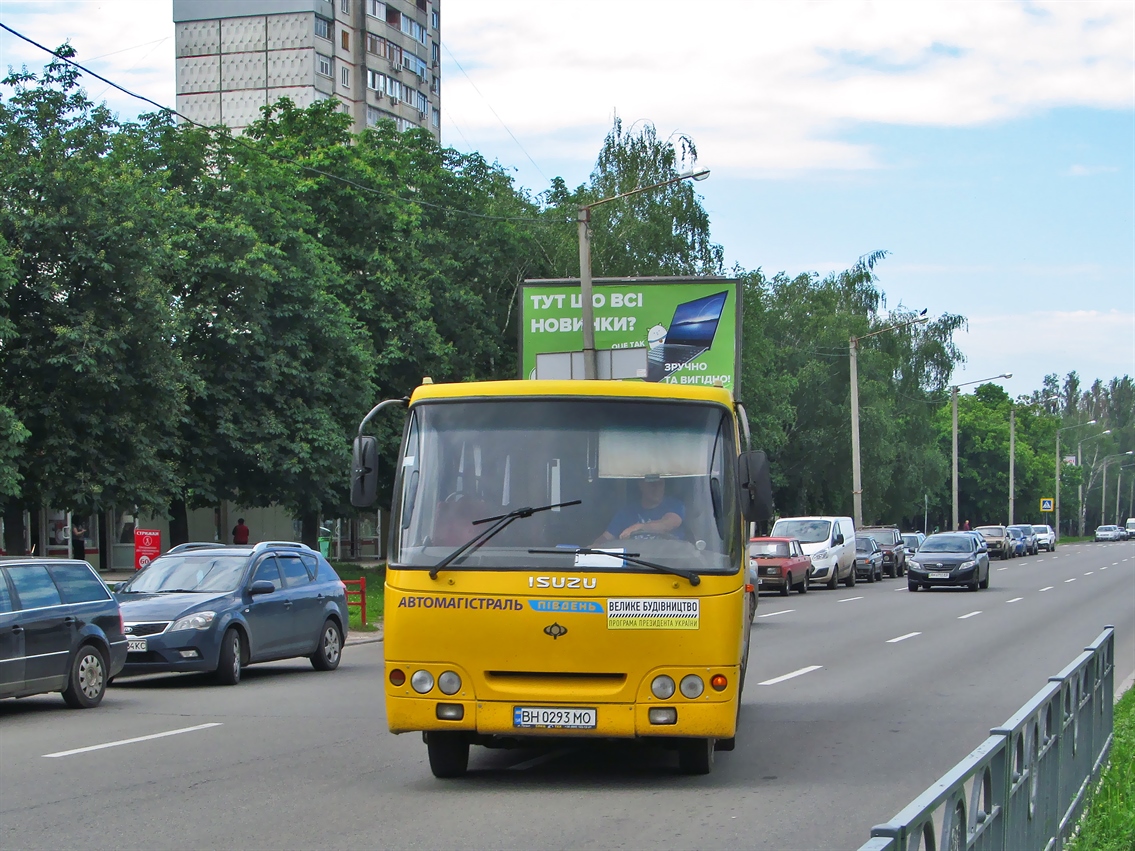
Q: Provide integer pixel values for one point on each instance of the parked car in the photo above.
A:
(1031, 544)
(828, 541)
(1129, 527)
(890, 542)
(1020, 545)
(912, 541)
(213, 607)
(949, 558)
(60, 630)
(1108, 533)
(780, 564)
(868, 558)
(998, 541)
(1045, 537)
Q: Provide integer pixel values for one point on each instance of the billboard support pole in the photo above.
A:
(590, 370)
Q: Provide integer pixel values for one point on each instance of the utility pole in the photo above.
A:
(856, 473)
(1012, 456)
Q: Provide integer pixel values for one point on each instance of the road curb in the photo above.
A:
(1124, 686)
(364, 638)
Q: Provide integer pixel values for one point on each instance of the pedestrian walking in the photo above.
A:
(965, 526)
(240, 532)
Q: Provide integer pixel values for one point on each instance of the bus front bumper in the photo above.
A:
(711, 718)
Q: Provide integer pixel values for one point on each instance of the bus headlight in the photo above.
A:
(422, 681)
(662, 687)
(449, 682)
(692, 686)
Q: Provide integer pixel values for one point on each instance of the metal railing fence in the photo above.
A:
(1024, 787)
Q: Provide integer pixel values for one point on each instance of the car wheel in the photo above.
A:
(852, 578)
(448, 752)
(985, 582)
(803, 587)
(695, 756)
(228, 665)
(787, 586)
(330, 650)
(86, 683)
(870, 575)
(973, 586)
(834, 581)
(911, 585)
(879, 575)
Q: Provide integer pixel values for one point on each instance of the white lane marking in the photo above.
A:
(1002, 568)
(900, 589)
(1089, 573)
(1047, 588)
(970, 615)
(1015, 600)
(1073, 579)
(131, 741)
(848, 599)
(774, 614)
(799, 673)
(539, 760)
(1105, 566)
(902, 637)
(1114, 563)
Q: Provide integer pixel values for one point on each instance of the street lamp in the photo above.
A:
(954, 407)
(856, 473)
(590, 367)
(1080, 464)
(1103, 486)
(1013, 452)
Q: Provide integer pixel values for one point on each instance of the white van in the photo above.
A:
(1130, 527)
(828, 541)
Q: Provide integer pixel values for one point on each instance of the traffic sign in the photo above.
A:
(1048, 504)
(147, 547)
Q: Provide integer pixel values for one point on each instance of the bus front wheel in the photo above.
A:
(695, 756)
(448, 752)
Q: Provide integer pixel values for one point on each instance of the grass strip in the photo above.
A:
(1109, 822)
(375, 576)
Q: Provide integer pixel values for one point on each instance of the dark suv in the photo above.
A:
(212, 607)
(60, 630)
(890, 542)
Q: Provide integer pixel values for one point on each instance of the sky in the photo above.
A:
(987, 145)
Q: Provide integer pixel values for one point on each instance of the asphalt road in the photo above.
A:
(298, 759)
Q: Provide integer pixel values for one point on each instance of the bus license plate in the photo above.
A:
(940, 575)
(136, 645)
(553, 719)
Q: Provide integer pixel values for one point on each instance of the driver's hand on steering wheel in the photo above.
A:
(633, 529)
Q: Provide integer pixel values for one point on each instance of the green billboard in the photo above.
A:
(688, 327)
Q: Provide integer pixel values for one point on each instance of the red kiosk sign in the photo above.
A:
(147, 547)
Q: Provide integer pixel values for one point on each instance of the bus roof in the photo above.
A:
(562, 388)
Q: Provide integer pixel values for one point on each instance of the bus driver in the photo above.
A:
(655, 514)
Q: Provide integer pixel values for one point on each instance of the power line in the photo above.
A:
(272, 155)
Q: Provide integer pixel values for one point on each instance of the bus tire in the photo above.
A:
(448, 752)
(695, 756)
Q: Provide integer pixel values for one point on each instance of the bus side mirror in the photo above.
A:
(756, 486)
(364, 471)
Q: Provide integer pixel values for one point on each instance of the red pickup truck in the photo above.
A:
(780, 564)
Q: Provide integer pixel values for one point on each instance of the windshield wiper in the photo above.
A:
(499, 522)
(693, 578)
(181, 591)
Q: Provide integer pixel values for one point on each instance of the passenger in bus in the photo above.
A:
(654, 515)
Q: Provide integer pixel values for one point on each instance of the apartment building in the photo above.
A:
(378, 58)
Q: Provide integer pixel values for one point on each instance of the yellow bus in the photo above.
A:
(567, 559)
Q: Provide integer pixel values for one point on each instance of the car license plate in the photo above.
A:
(553, 719)
(136, 645)
(939, 575)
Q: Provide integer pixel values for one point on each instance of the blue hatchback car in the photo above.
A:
(213, 607)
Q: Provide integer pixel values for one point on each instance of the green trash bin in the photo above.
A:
(325, 547)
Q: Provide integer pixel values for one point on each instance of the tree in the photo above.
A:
(89, 368)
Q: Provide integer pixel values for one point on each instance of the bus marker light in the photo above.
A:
(398, 677)
(719, 682)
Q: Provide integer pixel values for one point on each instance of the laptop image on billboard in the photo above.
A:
(691, 332)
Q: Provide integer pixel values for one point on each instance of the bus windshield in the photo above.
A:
(654, 479)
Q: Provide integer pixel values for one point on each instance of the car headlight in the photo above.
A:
(966, 565)
(197, 620)
(820, 556)
(915, 564)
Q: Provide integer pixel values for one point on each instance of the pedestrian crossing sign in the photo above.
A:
(1046, 504)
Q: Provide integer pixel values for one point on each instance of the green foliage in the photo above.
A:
(1109, 824)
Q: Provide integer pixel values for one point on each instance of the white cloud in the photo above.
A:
(1088, 171)
(769, 85)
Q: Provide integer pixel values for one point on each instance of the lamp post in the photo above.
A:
(590, 366)
(856, 471)
(954, 407)
(1103, 486)
(1082, 509)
